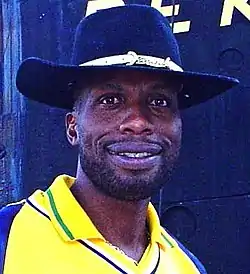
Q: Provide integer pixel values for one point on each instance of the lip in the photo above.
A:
(131, 163)
(134, 147)
(135, 164)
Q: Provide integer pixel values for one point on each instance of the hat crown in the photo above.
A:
(118, 30)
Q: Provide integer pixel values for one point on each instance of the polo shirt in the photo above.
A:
(51, 233)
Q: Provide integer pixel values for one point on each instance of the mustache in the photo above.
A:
(107, 141)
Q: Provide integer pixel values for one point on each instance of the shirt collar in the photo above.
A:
(68, 217)
(157, 232)
(73, 223)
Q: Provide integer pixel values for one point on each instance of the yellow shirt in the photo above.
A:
(52, 234)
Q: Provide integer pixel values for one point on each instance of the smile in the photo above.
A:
(134, 155)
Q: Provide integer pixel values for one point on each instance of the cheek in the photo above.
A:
(92, 128)
(101, 118)
(173, 131)
(177, 128)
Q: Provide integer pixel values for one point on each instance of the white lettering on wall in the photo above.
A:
(95, 5)
(167, 11)
(228, 9)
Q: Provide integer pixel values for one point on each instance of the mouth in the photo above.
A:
(134, 155)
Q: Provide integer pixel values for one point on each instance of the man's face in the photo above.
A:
(129, 134)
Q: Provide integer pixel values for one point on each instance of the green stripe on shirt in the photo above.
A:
(57, 215)
(167, 240)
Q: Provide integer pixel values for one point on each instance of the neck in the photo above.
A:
(122, 223)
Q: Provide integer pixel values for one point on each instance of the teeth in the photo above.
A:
(135, 155)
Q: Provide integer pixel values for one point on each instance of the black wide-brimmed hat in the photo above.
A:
(131, 37)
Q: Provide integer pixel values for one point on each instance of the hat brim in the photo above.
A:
(48, 83)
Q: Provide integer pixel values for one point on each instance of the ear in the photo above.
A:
(71, 128)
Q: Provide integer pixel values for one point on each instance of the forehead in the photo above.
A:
(133, 78)
(126, 80)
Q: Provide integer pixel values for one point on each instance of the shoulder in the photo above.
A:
(191, 256)
(7, 215)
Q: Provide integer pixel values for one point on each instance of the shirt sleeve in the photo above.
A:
(7, 215)
(194, 259)
(190, 255)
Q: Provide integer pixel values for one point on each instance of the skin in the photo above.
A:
(124, 108)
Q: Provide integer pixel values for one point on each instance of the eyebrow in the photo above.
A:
(164, 86)
(156, 86)
(119, 87)
(112, 86)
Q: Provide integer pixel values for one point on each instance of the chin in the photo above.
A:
(132, 187)
(125, 182)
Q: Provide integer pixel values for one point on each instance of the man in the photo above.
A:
(125, 88)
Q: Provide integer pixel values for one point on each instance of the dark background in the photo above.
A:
(207, 203)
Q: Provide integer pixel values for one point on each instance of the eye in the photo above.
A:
(110, 100)
(160, 102)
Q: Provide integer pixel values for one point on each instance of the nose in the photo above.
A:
(136, 124)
